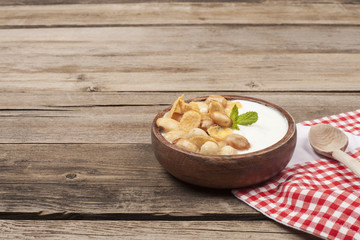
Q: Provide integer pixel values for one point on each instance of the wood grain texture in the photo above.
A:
(180, 59)
(148, 230)
(82, 80)
(53, 117)
(263, 12)
(102, 181)
(61, 2)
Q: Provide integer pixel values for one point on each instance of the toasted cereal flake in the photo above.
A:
(190, 106)
(200, 140)
(191, 119)
(176, 107)
(219, 133)
(203, 107)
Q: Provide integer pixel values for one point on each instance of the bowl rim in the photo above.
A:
(288, 135)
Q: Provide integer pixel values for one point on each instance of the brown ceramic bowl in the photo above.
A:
(230, 171)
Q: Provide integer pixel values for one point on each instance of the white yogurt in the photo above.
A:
(270, 127)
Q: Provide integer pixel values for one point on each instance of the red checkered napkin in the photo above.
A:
(314, 194)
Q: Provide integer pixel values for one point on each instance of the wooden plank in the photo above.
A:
(59, 2)
(323, 72)
(180, 59)
(89, 180)
(53, 117)
(148, 230)
(138, 40)
(248, 12)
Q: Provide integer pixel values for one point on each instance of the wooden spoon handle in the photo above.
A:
(347, 160)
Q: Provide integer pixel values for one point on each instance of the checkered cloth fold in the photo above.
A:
(314, 194)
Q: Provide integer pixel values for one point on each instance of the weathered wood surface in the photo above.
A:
(248, 12)
(96, 179)
(180, 59)
(149, 230)
(81, 81)
(127, 117)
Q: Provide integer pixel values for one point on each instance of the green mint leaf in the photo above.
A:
(235, 126)
(247, 118)
(234, 115)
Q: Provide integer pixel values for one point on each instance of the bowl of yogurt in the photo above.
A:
(223, 141)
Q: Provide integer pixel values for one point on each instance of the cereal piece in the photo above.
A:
(176, 107)
(205, 115)
(167, 124)
(219, 133)
(217, 98)
(203, 107)
(203, 126)
(186, 145)
(173, 135)
(200, 140)
(190, 120)
(191, 106)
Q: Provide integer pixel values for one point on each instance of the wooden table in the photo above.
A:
(81, 81)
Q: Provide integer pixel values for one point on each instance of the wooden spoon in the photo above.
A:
(331, 142)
